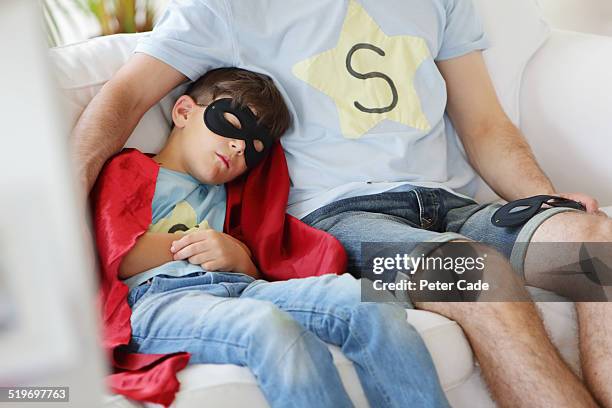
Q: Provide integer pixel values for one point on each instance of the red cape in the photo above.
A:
(283, 248)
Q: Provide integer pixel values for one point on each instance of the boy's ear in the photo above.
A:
(183, 108)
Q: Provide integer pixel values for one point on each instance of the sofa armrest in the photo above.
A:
(566, 112)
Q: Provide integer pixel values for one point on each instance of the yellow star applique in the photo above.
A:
(369, 75)
(183, 219)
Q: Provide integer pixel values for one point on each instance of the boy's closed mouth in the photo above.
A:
(224, 159)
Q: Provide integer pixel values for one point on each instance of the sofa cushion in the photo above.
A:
(568, 107)
(516, 30)
(83, 68)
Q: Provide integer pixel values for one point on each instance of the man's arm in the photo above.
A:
(109, 119)
(495, 147)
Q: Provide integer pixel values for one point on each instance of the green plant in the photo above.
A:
(120, 16)
(113, 16)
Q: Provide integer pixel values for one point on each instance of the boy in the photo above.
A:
(198, 292)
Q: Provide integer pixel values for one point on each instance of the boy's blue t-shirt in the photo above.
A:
(359, 76)
(182, 203)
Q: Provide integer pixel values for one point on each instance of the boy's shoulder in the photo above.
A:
(124, 174)
(130, 155)
(121, 204)
(130, 163)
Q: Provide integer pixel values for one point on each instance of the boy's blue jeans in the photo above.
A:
(279, 330)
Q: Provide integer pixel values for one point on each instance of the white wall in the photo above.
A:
(591, 16)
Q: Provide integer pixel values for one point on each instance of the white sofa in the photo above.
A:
(555, 85)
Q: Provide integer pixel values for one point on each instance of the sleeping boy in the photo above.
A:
(194, 290)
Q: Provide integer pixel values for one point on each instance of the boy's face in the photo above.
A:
(207, 156)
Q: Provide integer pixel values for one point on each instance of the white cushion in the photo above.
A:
(566, 105)
(516, 30)
(83, 68)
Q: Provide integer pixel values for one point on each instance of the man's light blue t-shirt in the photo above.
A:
(359, 76)
(182, 203)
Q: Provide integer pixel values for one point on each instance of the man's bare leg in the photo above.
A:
(594, 319)
(519, 363)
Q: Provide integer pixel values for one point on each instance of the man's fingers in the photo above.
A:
(590, 204)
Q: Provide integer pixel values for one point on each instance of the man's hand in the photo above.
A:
(590, 203)
(214, 251)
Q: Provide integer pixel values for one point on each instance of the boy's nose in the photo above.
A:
(238, 146)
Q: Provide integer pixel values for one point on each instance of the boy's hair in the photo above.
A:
(246, 88)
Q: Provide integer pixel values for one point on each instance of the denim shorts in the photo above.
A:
(423, 215)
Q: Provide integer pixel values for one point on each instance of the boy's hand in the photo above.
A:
(214, 251)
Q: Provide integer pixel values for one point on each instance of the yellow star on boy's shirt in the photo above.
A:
(369, 75)
(182, 219)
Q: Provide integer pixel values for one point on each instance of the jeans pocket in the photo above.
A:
(137, 293)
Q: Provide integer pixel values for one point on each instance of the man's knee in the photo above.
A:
(574, 227)
(591, 228)
(601, 229)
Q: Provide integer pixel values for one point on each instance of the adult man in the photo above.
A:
(368, 83)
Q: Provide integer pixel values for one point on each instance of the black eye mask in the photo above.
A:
(518, 212)
(250, 131)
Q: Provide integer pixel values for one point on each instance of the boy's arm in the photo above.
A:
(215, 251)
(152, 249)
(246, 266)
